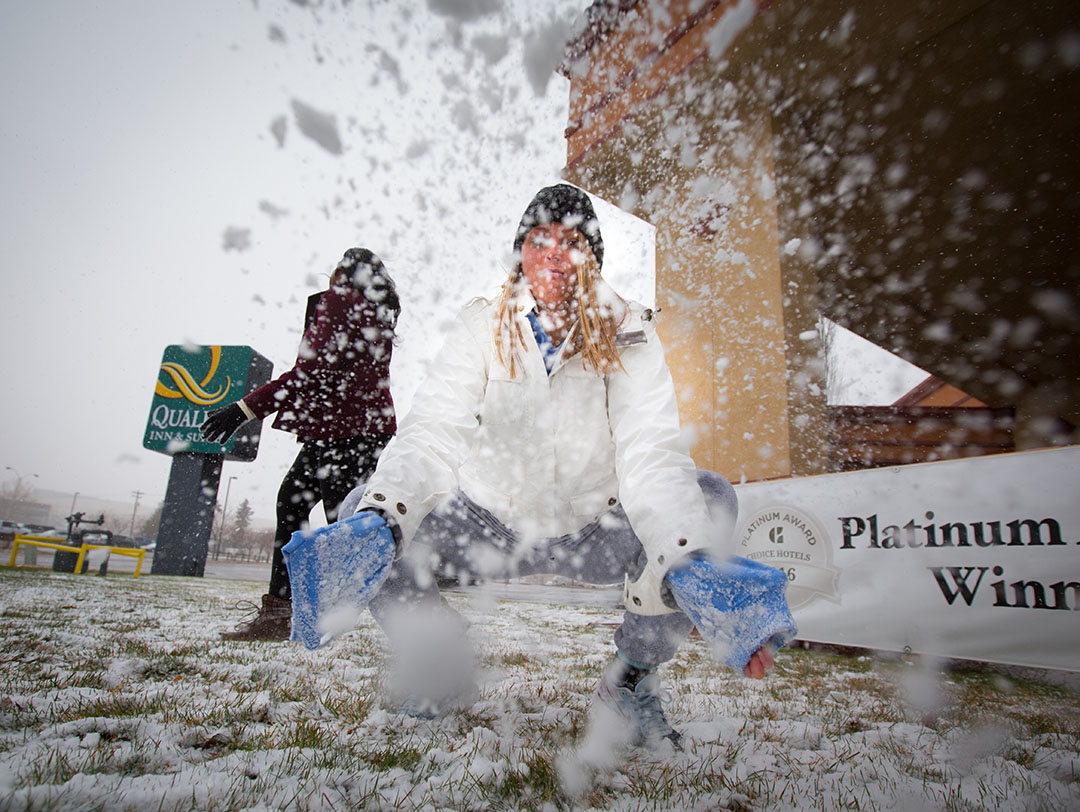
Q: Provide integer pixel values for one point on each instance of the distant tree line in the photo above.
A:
(238, 540)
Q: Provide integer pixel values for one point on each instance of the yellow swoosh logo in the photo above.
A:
(186, 385)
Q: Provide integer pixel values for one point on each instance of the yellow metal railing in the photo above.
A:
(50, 543)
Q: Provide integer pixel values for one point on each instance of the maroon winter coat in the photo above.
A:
(340, 383)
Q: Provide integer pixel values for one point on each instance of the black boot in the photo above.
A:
(273, 622)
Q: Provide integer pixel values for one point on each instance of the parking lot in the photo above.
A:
(235, 570)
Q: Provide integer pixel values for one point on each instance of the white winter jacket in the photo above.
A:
(548, 454)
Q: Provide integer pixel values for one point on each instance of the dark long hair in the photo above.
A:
(362, 270)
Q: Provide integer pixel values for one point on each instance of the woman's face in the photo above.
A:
(550, 258)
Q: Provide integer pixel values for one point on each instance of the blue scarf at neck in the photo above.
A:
(547, 349)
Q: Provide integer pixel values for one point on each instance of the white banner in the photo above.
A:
(973, 559)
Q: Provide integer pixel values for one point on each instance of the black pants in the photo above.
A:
(324, 471)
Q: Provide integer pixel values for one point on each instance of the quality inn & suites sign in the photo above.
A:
(193, 381)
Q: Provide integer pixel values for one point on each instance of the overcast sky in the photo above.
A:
(189, 172)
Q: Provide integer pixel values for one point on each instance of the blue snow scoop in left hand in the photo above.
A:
(738, 605)
(334, 572)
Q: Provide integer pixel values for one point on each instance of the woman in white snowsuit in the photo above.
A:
(547, 440)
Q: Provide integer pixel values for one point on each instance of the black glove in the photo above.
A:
(221, 424)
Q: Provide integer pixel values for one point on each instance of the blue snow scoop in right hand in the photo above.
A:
(738, 605)
(335, 571)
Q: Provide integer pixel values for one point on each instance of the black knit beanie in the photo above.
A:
(566, 204)
(361, 256)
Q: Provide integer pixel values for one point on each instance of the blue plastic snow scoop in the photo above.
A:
(334, 572)
(738, 605)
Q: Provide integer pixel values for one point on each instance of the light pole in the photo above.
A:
(224, 515)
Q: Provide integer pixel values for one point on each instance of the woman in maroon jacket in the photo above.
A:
(336, 400)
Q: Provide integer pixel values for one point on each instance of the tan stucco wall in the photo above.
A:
(722, 320)
(735, 309)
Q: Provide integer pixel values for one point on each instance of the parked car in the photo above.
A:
(9, 529)
(92, 536)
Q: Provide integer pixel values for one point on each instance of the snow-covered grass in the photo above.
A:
(115, 693)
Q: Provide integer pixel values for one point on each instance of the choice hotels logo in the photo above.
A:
(186, 385)
(792, 540)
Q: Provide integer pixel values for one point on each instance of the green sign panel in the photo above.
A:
(192, 382)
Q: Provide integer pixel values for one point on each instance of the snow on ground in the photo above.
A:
(118, 694)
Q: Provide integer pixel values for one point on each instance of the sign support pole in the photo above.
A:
(188, 514)
(193, 381)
